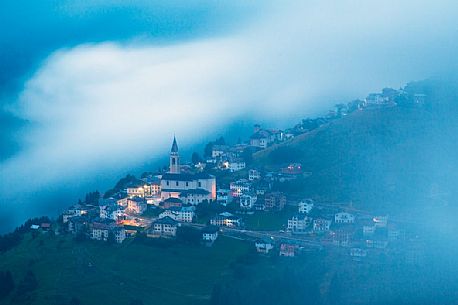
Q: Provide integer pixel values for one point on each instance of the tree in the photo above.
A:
(28, 284)
(6, 284)
(92, 198)
(196, 159)
(74, 301)
(188, 235)
(136, 302)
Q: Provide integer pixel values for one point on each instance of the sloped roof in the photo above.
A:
(174, 145)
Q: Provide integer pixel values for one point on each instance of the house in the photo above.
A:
(260, 139)
(122, 200)
(195, 196)
(136, 205)
(138, 189)
(248, 200)
(115, 212)
(226, 220)
(254, 174)
(154, 199)
(376, 243)
(321, 225)
(299, 223)
(275, 201)
(292, 169)
(236, 164)
(163, 227)
(358, 253)
(223, 196)
(101, 228)
(263, 246)
(77, 224)
(175, 182)
(172, 202)
(344, 218)
(119, 234)
(262, 188)
(239, 187)
(380, 221)
(393, 233)
(181, 214)
(368, 230)
(305, 206)
(210, 234)
(45, 226)
(75, 210)
(288, 249)
(219, 150)
(154, 184)
(342, 236)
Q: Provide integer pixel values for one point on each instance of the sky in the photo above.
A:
(100, 87)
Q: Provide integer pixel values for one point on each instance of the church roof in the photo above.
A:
(173, 200)
(194, 192)
(174, 146)
(185, 177)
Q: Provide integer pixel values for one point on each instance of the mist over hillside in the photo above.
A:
(391, 159)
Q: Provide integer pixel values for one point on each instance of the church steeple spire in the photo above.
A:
(174, 145)
(174, 158)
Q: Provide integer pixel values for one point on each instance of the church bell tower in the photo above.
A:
(174, 158)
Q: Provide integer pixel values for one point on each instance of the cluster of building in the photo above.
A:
(175, 194)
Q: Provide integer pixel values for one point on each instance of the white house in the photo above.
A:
(321, 225)
(358, 252)
(181, 214)
(344, 218)
(254, 174)
(163, 227)
(239, 187)
(223, 196)
(299, 223)
(380, 221)
(305, 206)
(226, 220)
(210, 234)
(248, 200)
(136, 205)
(236, 164)
(263, 246)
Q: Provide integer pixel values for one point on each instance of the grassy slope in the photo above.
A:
(381, 158)
(175, 275)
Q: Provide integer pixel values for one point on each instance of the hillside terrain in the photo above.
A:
(94, 273)
(385, 159)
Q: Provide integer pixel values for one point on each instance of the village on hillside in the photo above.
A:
(221, 193)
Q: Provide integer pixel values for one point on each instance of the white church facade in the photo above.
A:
(184, 185)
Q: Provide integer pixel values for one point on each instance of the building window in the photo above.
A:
(168, 183)
(176, 183)
(200, 184)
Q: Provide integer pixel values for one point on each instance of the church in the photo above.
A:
(190, 188)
